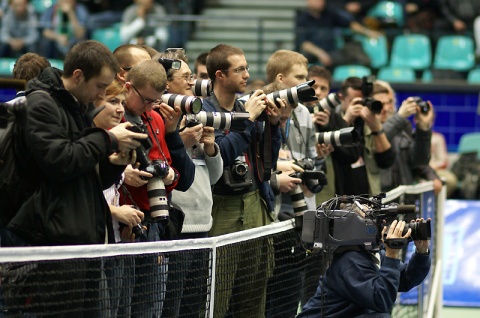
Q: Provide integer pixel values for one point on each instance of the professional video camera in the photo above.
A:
(302, 93)
(188, 104)
(374, 105)
(345, 137)
(424, 106)
(218, 120)
(157, 195)
(170, 64)
(357, 220)
(314, 180)
(202, 87)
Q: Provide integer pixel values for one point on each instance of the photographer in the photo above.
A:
(247, 201)
(412, 148)
(359, 283)
(357, 169)
(187, 272)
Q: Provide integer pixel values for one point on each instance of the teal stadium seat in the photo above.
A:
(396, 74)
(42, 5)
(427, 76)
(454, 52)
(56, 63)
(387, 12)
(341, 72)
(412, 51)
(473, 76)
(376, 49)
(470, 142)
(6, 66)
(108, 36)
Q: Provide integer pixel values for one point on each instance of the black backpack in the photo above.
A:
(11, 184)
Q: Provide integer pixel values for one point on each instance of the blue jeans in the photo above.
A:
(150, 278)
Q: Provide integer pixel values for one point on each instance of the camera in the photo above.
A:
(345, 137)
(313, 180)
(218, 120)
(301, 93)
(357, 220)
(236, 177)
(424, 106)
(188, 104)
(202, 87)
(331, 101)
(169, 64)
(157, 195)
(373, 105)
(420, 230)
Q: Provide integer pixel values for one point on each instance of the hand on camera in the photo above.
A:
(408, 108)
(127, 215)
(171, 116)
(323, 150)
(424, 121)
(133, 176)
(123, 158)
(372, 120)
(395, 231)
(276, 113)
(127, 140)
(208, 140)
(353, 110)
(422, 245)
(256, 104)
(288, 166)
(321, 118)
(170, 177)
(191, 135)
(287, 183)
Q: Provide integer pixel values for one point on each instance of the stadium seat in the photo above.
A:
(427, 76)
(56, 63)
(6, 66)
(470, 142)
(454, 52)
(412, 51)
(108, 36)
(473, 76)
(341, 72)
(396, 74)
(42, 5)
(387, 12)
(376, 49)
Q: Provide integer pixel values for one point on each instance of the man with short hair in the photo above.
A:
(247, 203)
(200, 66)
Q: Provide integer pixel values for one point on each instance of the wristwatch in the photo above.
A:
(376, 133)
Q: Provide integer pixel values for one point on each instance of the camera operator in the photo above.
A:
(186, 271)
(412, 148)
(357, 169)
(359, 283)
(242, 198)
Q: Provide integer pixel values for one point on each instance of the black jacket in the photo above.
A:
(69, 161)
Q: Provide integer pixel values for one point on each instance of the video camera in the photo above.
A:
(374, 105)
(357, 220)
(218, 120)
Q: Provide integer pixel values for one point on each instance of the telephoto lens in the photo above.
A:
(157, 199)
(220, 120)
(188, 104)
(202, 87)
(345, 137)
(302, 93)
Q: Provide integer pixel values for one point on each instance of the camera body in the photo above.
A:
(356, 220)
(424, 106)
(312, 179)
(373, 105)
(236, 177)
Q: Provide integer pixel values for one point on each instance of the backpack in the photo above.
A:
(11, 184)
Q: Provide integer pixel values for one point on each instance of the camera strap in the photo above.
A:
(149, 121)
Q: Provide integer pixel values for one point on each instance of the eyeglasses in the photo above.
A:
(240, 69)
(146, 101)
(126, 69)
(186, 77)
